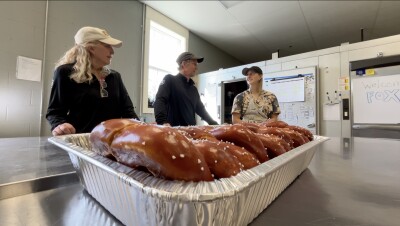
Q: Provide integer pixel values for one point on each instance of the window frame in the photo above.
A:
(163, 21)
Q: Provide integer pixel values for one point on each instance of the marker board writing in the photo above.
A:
(376, 99)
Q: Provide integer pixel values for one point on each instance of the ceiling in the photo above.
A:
(251, 31)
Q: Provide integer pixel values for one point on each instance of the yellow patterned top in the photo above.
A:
(266, 102)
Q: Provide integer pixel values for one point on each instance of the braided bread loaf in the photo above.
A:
(197, 133)
(273, 148)
(103, 134)
(194, 153)
(221, 163)
(162, 150)
(243, 137)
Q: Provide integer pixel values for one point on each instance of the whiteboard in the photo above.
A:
(376, 99)
(287, 90)
(300, 113)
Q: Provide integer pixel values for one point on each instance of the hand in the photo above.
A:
(64, 128)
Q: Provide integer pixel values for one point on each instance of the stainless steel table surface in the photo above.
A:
(350, 181)
(32, 157)
(32, 164)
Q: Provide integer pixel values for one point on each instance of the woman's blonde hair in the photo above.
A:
(79, 55)
(260, 83)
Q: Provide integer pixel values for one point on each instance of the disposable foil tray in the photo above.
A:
(137, 198)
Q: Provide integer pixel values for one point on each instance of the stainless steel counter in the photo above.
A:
(32, 164)
(349, 182)
(32, 157)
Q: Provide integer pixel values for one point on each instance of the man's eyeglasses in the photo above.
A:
(103, 86)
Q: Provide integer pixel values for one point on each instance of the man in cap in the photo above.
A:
(177, 99)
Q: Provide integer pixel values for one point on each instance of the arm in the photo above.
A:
(276, 109)
(127, 110)
(202, 112)
(237, 108)
(274, 117)
(162, 101)
(59, 103)
(236, 118)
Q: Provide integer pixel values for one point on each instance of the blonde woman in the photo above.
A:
(255, 105)
(84, 91)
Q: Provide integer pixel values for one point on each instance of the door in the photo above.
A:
(229, 90)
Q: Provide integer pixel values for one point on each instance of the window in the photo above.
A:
(164, 41)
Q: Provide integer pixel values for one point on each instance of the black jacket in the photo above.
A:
(177, 102)
(81, 105)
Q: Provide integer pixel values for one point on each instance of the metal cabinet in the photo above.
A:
(375, 51)
(306, 62)
(329, 98)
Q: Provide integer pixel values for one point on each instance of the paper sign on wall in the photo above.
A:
(344, 83)
(370, 72)
(331, 112)
(29, 69)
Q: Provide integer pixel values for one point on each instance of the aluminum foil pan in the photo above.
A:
(138, 198)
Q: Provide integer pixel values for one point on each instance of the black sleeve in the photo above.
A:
(202, 112)
(127, 110)
(59, 102)
(161, 103)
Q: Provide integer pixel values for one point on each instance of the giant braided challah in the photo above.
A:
(194, 153)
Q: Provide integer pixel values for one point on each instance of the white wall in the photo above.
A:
(22, 25)
(214, 58)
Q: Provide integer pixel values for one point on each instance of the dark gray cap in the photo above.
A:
(188, 56)
(253, 69)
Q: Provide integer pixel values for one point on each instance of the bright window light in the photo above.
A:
(163, 42)
(164, 47)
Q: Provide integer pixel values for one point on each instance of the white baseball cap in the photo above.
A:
(90, 34)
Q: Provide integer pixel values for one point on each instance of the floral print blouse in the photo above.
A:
(266, 102)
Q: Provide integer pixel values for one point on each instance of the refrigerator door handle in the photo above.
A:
(382, 127)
